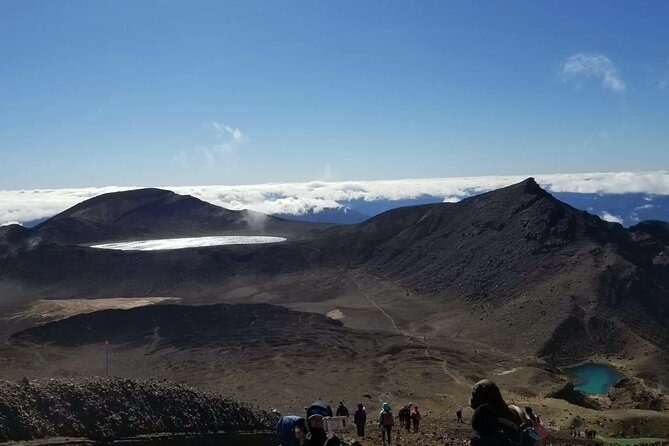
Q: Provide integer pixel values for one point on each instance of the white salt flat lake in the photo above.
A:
(190, 242)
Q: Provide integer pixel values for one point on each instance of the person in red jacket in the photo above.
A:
(415, 418)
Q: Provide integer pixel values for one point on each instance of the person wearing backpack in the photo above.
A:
(513, 422)
(536, 424)
(386, 423)
(360, 419)
(407, 417)
(402, 416)
(415, 419)
(486, 427)
(342, 411)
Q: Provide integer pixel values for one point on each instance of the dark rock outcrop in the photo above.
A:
(101, 408)
(570, 394)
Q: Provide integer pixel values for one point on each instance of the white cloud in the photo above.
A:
(610, 218)
(228, 140)
(587, 66)
(663, 82)
(228, 132)
(299, 198)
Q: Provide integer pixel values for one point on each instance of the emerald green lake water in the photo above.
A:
(594, 379)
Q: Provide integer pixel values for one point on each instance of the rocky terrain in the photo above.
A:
(577, 284)
(99, 408)
(415, 304)
(634, 393)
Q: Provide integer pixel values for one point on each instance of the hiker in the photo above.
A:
(415, 419)
(285, 430)
(342, 411)
(486, 425)
(386, 423)
(536, 422)
(316, 412)
(301, 431)
(513, 422)
(402, 416)
(458, 413)
(360, 419)
(407, 418)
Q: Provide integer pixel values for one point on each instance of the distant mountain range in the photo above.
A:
(627, 209)
(625, 197)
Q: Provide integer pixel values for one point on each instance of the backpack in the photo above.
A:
(523, 434)
(387, 419)
(528, 436)
(540, 429)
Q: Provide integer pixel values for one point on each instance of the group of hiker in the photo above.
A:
(311, 430)
(408, 415)
(495, 422)
(317, 429)
(590, 434)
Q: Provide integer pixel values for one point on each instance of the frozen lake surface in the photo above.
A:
(190, 242)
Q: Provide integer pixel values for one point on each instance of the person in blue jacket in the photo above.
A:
(360, 419)
(285, 430)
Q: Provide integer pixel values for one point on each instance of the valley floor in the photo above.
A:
(431, 359)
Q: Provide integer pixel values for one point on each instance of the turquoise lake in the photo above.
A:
(594, 379)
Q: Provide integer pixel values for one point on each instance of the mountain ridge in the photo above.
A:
(153, 213)
(515, 257)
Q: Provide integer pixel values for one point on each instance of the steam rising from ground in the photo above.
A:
(316, 196)
(189, 242)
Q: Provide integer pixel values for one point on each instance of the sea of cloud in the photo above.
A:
(316, 196)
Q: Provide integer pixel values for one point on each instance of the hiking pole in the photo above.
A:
(106, 359)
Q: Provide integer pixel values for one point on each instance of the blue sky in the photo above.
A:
(185, 93)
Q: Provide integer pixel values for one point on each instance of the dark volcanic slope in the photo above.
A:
(653, 228)
(112, 408)
(15, 239)
(153, 213)
(574, 284)
(212, 345)
(488, 240)
(187, 327)
(524, 259)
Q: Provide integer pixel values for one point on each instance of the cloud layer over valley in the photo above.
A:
(313, 197)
